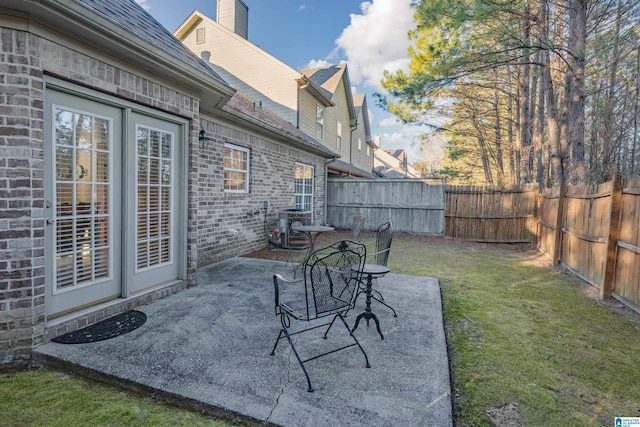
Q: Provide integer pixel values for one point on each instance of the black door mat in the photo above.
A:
(105, 329)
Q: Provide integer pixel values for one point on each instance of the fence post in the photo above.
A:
(612, 240)
(535, 228)
(557, 239)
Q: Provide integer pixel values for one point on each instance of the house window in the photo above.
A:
(200, 36)
(359, 149)
(236, 169)
(339, 136)
(368, 151)
(319, 121)
(304, 187)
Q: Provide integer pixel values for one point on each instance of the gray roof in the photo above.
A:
(320, 76)
(135, 20)
(344, 167)
(244, 104)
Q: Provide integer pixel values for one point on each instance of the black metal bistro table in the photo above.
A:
(372, 271)
(312, 231)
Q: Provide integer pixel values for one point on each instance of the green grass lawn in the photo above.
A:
(521, 333)
(48, 398)
(526, 342)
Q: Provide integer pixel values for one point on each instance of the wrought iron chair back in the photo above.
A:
(333, 281)
(384, 236)
(331, 277)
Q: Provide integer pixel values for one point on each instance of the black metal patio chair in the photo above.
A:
(384, 237)
(331, 277)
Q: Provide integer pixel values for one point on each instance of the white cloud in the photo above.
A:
(376, 40)
(316, 63)
(144, 3)
(302, 7)
(389, 122)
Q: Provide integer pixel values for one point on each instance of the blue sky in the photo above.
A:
(370, 36)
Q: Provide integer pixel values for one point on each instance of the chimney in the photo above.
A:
(234, 15)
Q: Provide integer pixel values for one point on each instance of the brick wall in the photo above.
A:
(24, 60)
(21, 196)
(272, 179)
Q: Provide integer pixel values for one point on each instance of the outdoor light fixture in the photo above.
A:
(203, 140)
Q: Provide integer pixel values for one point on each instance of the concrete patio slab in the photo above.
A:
(209, 346)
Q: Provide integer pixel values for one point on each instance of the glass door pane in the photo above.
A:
(82, 216)
(154, 185)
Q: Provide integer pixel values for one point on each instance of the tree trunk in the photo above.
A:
(498, 132)
(525, 100)
(512, 167)
(635, 116)
(575, 103)
(539, 135)
(556, 168)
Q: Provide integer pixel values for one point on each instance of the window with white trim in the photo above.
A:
(319, 121)
(359, 149)
(236, 169)
(339, 136)
(304, 187)
(368, 151)
(200, 36)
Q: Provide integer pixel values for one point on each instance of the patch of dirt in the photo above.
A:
(505, 416)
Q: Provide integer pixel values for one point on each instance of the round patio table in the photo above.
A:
(312, 231)
(372, 271)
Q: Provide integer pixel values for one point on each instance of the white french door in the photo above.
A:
(111, 202)
(152, 247)
(81, 204)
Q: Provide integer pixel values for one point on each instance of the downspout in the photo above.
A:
(354, 127)
(326, 177)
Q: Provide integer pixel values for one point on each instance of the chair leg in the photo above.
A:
(273, 351)
(386, 305)
(366, 359)
(295, 352)
(381, 298)
(330, 325)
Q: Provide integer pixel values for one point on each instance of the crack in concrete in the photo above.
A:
(286, 384)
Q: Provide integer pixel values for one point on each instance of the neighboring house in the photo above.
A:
(343, 131)
(126, 164)
(393, 164)
(319, 102)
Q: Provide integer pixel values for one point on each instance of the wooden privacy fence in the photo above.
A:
(413, 205)
(594, 231)
(489, 214)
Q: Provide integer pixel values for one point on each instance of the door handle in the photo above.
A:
(50, 221)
